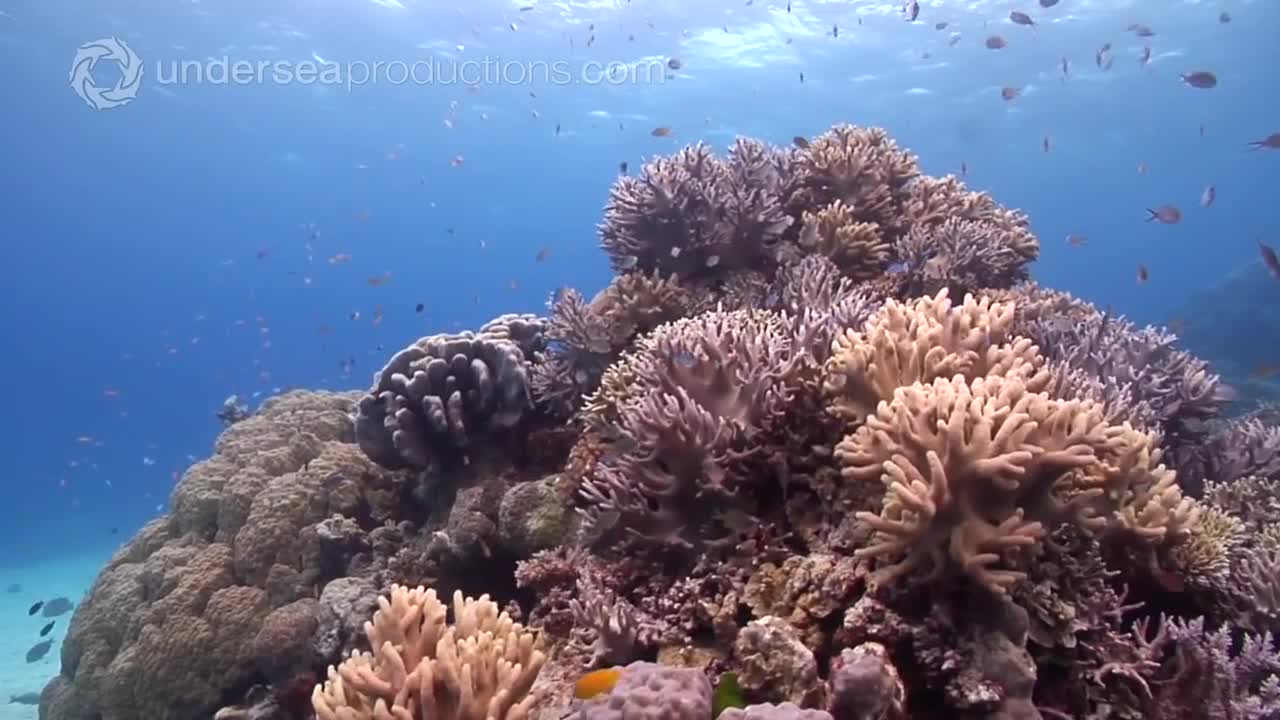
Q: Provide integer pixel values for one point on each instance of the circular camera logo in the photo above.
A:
(114, 50)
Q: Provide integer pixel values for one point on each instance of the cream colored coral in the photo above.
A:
(928, 338)
(480, 668)
(974, 468)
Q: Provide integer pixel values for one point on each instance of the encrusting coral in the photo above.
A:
(479, 667)
(819, 443)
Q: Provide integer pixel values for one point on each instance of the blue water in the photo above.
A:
(132, 234)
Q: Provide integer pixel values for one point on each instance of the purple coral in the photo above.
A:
(648, 691)
(692, 212)
(689, 406)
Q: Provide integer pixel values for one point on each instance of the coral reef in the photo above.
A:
(820, 449)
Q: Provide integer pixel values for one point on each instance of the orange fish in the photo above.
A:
(380, 280)
(596, 683)
(1166, 214)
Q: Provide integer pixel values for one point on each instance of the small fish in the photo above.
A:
(1077, 240)
(995, 42)
(1264, 372)
(713, 261)
(457, 161)
(1046, 144)
(1166, 214)
(1008, 92)
(1145, 56)
(662, 131)
(1208, 196)
(835, 30)
(912, 11)
(964, 168)
(14, 589)
(1202, 129)
(39, 650)
(622, 168)
(1066, 68)
(1020, 18)
(1269, 259)
(47, 627)
(542, 255)
(1270, 142)
(800, 142)
(728, 694)
(597, 683)
(626, 262)
(35, 608)
(802, 77)
(940, 25)
(1142, 30)
(1224, 17)
(339, 259)
(1142, 168)
(955, 38)
(1143, 274)
(1201, 79)
(419, 308)
(675, 64)
(1048, 3)
(380, 280)
(788, 5)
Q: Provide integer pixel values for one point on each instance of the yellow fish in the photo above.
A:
(596, 683)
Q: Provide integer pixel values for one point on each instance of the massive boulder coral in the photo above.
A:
(213, 596)
(440, 396)
(421, 667)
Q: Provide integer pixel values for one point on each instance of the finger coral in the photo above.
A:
(930, 338)
(440, 395)
(480, 667)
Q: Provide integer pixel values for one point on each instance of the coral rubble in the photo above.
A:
(819, 450)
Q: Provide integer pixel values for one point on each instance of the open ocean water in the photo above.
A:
(206, 199)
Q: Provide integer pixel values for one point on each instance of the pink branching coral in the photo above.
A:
(689, 404)
(692, 212)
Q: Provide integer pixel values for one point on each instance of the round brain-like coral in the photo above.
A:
(439, 396)
(183, 614)
(648, 691)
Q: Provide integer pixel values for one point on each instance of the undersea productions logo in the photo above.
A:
(110, 50)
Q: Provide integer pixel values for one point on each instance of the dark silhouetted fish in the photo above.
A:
(26, 698)
(57, 606)
(39, 650)
(35, 608)
(47, 627)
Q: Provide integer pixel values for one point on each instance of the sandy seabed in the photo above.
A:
(71, 577)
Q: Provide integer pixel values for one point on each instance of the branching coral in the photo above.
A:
(688, 404)
(421, 668)
(965, 255)
(918, 342)
(435, 398)
(692, 212)
(858, 248)
(977, 461)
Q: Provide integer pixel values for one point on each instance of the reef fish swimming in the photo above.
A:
(39, 650)
(57, 606)
(596, 683)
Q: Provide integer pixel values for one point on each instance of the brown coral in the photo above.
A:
(183, 614)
